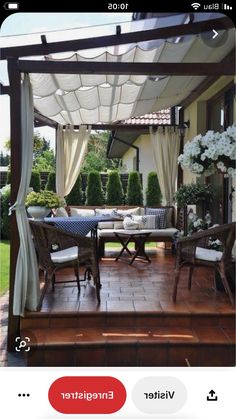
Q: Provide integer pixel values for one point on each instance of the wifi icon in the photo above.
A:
(195, 5)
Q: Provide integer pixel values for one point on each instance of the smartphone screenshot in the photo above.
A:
(117, 204)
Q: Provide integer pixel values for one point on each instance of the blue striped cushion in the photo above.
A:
(161, 213)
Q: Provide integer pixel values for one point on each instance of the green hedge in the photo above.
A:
(4, 209)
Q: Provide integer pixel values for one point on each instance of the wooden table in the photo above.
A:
(139, 239)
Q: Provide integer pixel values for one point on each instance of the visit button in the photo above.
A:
(159, 395)
(76, 395)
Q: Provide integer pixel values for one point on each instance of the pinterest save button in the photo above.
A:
(76, 395)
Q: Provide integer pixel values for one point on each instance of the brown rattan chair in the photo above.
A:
(57, 249)
(192, 251)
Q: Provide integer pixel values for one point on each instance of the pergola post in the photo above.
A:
(15, 112)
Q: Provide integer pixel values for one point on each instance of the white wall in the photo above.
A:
(146, 158)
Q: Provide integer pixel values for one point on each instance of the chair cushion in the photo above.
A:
(209, 255)
(65, 255)
(105, 224)
(167, 232)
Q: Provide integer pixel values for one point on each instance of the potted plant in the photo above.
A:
(211, 153)
(39, 204)
(193, 193)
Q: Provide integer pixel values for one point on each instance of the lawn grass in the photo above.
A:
(4, 266)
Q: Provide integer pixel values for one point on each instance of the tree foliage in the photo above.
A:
(153, 192)
(94, 191)
(96, 158)
(134, 190)
(114, 190)
(43, 156)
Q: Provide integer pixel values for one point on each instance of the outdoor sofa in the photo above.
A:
(144, 219)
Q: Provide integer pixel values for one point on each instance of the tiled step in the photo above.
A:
(130, 339)
(115, 346)
(87, 319)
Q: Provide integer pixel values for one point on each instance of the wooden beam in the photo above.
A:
(15, 112)
(157, 69)
(109, 40)
(41, 120)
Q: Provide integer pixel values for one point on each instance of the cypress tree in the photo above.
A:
(94, 191)
(75, 197)
(134, 189)
(114, 190)
(51, 183)
(153, 192)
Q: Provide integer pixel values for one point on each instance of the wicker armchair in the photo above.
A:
(57, 249)
(192, 251)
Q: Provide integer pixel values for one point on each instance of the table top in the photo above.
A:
(77, 225)
(132, 233)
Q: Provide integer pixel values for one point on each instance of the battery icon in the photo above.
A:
(11, 6)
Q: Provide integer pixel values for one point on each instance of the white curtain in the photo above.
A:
(165, 144)
(71, 147)
(26, 291)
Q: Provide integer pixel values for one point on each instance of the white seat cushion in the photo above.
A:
(210, 255)
(166, 232)
(65, 255)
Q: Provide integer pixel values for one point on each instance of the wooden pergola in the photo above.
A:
(17, 66)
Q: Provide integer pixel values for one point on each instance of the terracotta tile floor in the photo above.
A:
(140, 287)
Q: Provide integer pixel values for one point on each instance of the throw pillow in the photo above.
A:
(129, 224)
(80, 212)
(161, 212)
(131, 211)
(105, 211)
(60, 212)
(147, 222)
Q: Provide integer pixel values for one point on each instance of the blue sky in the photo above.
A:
(26, 23)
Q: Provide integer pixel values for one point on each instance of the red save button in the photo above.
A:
(87, 395)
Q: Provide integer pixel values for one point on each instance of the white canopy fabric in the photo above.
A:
(93, 99)
(71, 147)
(165, 143)
(26, 290)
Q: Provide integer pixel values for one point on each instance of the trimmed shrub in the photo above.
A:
(51, 183)
(114, 190)
(4, 208)
(134, 190)
(94, 191)
(35, 181)
(153, 192)
(75, 196)
(8, 178)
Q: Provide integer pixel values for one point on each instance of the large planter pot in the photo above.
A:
(38, 213)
